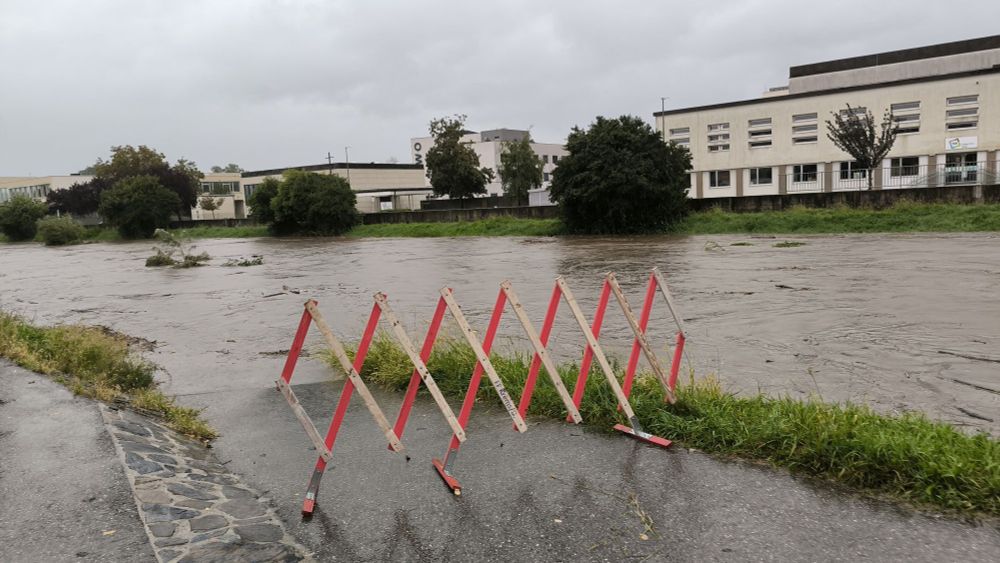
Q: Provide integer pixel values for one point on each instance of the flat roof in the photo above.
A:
(334, 166)
(773, 99)
(899, 56)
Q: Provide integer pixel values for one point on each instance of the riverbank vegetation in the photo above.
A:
(95, 362)
(906, 457)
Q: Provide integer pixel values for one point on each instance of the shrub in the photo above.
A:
(137, 206)
(170, 247)
(57, 231)
(620, 177)
(19, 217)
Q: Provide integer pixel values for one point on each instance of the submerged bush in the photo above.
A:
(57, 231)
(173, 251)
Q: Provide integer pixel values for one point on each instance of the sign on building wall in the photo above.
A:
(961, 143)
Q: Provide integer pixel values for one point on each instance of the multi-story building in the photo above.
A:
(37, 187)
(488, 146)
(945, 102)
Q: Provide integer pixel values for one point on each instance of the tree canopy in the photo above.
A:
(452, 166)
(137, 206)
(78, 199)
(854, 131)
(520, 169)
(260, 201)
(620, 177)
(311, 204)
(231, 167)
(19, 217)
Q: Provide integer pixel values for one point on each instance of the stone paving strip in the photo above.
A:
(194, 509)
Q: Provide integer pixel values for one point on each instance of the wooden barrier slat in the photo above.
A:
(598, 352)
(484, 360)
(425, 374)
(303, 417)
(670, 299)
(359, 384)
(640, 337)
(543, 353)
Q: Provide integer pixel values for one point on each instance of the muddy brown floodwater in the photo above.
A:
(900, 322)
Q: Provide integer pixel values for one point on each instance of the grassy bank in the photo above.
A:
(496, 226)
(907, 457)
(94, 362)
(900, 218)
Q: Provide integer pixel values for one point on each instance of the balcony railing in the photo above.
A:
(917, 176)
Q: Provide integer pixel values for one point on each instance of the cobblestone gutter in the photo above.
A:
(193, 509)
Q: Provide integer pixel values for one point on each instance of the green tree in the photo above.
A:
(520, 169)
(78, 199)
(19, 217)
(137, 206)
(260, 201)
(452, 166)
(854, 131)
(183, 178)
(231, 168)
(620, 177)
(210, 204)
(313, 204)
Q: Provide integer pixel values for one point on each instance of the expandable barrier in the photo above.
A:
(541, 358)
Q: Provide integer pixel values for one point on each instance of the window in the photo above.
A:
(904, 106)
(804, 140)
(851, 171)
(858, 111)
(906, 116)
(759, 132)
(545, 176)
(718, 148)
(718, 127)
(904, 166)
(760, 144)
(764, 121)
(962, 112)
(680, 131)
(804, 173)
(545, 159)
(961, 168)
(760, 176)
(804, 129)
(555, 159)
(803, 117)
(205, 188)
(681, 136)
(718, 137)
(718, 179)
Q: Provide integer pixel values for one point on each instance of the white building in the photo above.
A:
(488, 146)
(37, 187)
(945, 100)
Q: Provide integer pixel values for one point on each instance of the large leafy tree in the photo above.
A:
(313, 204)
(620, 177)
(260, 201)
(19, 217)
(137, 206)
(452, 166)
(520, 169)
(127, 161)
(78, 199)
(855, 132)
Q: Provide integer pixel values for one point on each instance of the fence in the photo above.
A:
(421, 375)
(812, 179)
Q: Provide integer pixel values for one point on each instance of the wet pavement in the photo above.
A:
(899, 322)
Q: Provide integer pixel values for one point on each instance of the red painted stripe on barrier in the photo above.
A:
(633, 359)
(415, 380)
(588, 355)
(675, 366)
(536, 361)
(296, 349)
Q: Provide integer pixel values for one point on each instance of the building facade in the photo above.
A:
(36, 187)
(945, 102)
(489, 146)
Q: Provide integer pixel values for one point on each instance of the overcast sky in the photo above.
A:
(267, 84)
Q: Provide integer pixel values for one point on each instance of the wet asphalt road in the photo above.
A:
(63, 493)
(555, 493)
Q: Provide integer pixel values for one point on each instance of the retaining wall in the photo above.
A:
(877, 199)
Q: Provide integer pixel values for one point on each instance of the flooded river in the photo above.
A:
(895, 321)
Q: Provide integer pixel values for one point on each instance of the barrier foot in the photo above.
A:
(309, 504)
(449, 481)
(643, 436)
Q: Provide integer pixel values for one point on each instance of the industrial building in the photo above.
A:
(945, 102)
(489, 146)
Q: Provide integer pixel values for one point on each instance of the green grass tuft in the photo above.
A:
(94, 362)
(907, 457)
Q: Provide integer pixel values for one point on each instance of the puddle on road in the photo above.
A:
(897, 321)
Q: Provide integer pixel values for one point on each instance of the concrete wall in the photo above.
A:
(877, 199)
(451, 215)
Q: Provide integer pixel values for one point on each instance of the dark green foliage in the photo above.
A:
(260, 201)
(128, 162)
(56, 231)
(231, 167)
(620, 178)
(452, 166)
(520, 169)
(19, 217)
(907, 456)
(78, 199)
(137, 206)
(313, 204)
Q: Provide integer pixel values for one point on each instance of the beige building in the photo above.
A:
(945, 101)
(488, 146)
(37, 187)
(379, 187)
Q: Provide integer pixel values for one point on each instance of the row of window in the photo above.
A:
(962, 112)
(35, 192)
(905, 166)
(555, 159)
(220, 188)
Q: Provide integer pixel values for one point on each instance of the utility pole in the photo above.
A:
(347, 157)
(663, 108)
(329, 160)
